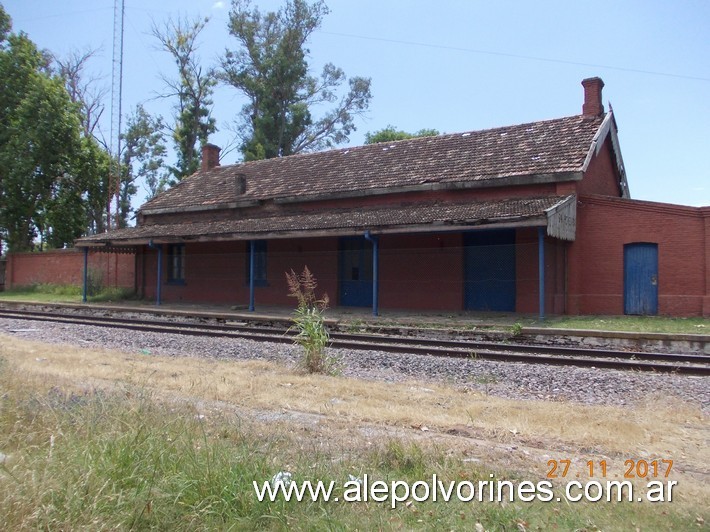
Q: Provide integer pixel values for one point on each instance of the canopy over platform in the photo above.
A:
(555, 213)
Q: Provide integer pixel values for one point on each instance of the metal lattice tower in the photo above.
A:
(114, 182)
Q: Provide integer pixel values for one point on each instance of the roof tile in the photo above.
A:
(545, 147)
(423, 216)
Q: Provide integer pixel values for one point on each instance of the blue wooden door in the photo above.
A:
(355, 272)
(489, 264)
(641, 279)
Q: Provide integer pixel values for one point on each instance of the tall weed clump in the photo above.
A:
(309, 322)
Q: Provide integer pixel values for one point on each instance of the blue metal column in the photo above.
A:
(160, 271)
(86, 274)
(375, 272)
(158, 298)
(541, 269)
(252, 267)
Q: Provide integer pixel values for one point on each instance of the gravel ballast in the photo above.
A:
(503, 379)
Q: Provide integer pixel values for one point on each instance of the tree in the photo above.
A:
(5, 25)
(389, 134)
(92, 164)
(53, 175)
(83, 90)
(91, 168)
(270, 67)
(39, 137)
(193, 88)
(144, 145)
(64, 216)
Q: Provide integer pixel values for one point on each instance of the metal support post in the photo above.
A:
(541, 269)
(252, 268)
(375, 272)
(86, 275)
(160, 271)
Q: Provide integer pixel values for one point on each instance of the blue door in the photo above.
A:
(489, 265)
(355, 272)
(641, 279)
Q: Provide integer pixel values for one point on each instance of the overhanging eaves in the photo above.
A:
(430, 217)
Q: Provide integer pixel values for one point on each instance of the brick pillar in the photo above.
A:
(9, 271)
(705, 212)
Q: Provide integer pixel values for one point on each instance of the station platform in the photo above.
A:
(335, 315)
(497, 326)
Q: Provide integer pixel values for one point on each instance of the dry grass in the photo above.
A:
(146, 457)
(659, 428)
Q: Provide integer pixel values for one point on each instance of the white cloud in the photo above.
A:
(218, 5)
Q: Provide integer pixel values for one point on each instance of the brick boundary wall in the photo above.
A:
(66, 267)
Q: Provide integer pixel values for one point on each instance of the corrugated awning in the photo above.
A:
(557, 213)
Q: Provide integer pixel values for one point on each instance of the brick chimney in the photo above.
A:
(593, 97)
(210, 156)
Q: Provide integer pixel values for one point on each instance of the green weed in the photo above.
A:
(640, 324)
(46, 293)
(309, 323)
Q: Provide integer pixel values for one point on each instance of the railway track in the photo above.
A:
(693, 364)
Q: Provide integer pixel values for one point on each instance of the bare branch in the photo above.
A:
(83, 89)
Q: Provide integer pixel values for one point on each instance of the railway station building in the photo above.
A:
(533, 218)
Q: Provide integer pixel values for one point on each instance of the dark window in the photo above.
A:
(259, 263)
(176, 263)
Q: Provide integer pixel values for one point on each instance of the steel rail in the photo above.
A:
(380, 338)
(469, 345)
(500, 351)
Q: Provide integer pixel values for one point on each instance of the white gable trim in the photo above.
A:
(608, 127)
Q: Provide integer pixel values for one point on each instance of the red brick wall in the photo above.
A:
(421, 272)
(527, 299)
(596, 258)
(214, 272)
(319, 254)
(705, 213)
(417, 272)
(217, 272)
(526, 270)
(602, 175)
(66, 267)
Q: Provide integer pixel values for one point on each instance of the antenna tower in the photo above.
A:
(114, 181)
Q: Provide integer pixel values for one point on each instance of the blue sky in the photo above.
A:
(457, 65)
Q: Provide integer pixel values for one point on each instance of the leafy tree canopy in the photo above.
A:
(270, 67)
(192, 89)
(390, 133)
(144, 151)
(5, 24)
(43, 166)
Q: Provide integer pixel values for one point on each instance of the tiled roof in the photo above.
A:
(431, 216)
(538, 148)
